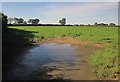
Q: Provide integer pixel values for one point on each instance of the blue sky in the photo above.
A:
(74, 12)
(59, 0)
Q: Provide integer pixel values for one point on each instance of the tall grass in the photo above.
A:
(106, 62)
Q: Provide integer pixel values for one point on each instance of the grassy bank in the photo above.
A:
(105, 61)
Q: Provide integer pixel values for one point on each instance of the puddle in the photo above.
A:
(31, 61)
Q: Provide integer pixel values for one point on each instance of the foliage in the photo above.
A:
(24, 22)
(33, 21)
(100, 24)
(10, 20)
(3, 20)
(20, 20)
(76, 25)
(62, 21)
(15, 20)
(111, 24)
(95, 23)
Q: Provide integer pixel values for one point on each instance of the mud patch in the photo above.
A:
(82, 70)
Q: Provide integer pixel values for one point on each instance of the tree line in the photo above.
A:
(20, 21)
(30, 21)
(96, 24)
(62, 21)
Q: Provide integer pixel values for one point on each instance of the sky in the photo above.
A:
(60, 0)
(74, 12)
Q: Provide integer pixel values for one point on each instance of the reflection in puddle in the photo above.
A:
(43, 55)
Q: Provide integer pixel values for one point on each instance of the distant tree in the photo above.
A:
(62, 21)
(82, 25)
(20, 20)
(3, 20)
(16, 20)
(30, 21)
(106, 24)
(103, 24)
(10, 20)
(96, 24)
(33, 21)
(24, 22)
(76, 25)
(88, 24)
(112, 24)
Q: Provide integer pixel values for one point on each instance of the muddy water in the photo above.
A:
(32, 63)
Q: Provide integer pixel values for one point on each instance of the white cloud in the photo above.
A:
(80, 9)
(75, 11)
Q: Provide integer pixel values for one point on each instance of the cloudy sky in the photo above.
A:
(74, 12)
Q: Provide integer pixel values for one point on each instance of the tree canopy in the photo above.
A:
(62, 21)
(3, 20)
(33, 21)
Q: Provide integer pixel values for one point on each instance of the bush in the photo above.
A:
(112, 24)
(3, 20)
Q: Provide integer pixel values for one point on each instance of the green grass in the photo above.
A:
(105, 61)
(94, 34)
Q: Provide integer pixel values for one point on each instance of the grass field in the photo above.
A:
(104, 61)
